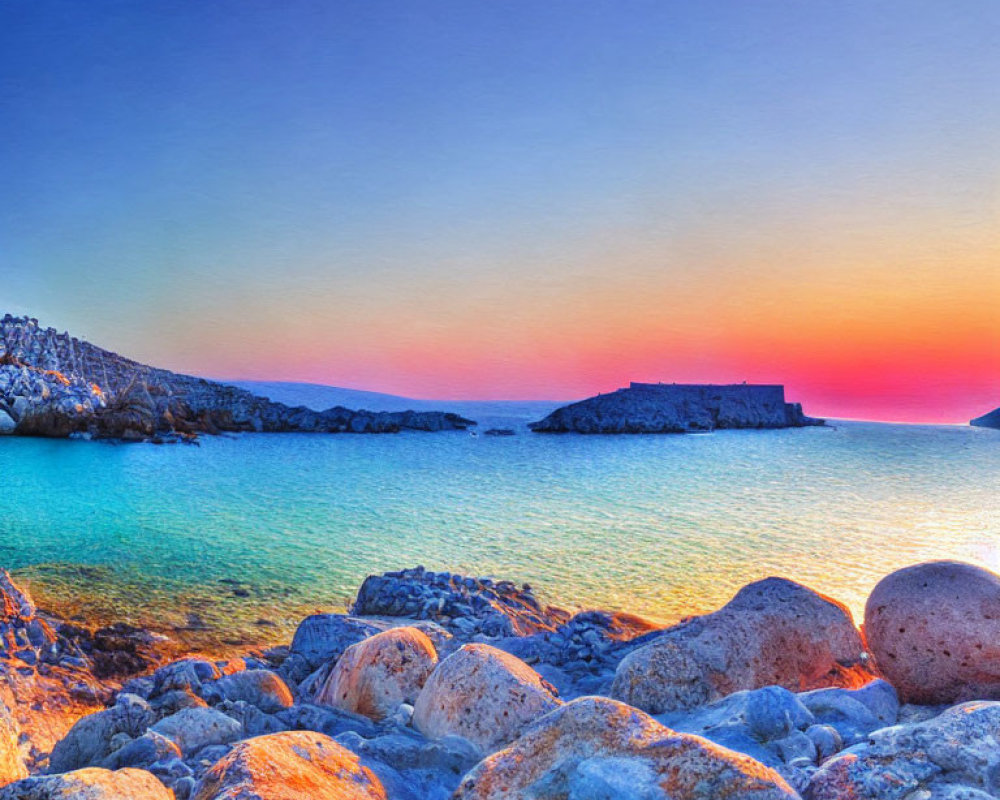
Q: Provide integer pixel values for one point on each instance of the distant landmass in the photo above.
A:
(319, 396)
(53, 384)
(991, 420)
(678, 408)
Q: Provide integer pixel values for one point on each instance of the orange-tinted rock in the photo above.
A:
(934, 630)
(289, 766)
(483, 694)
(376, 675)
(11, 763)
(90, 784)
(594, 747)
(773, 632)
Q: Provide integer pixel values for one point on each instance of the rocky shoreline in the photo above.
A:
(54, 385)
(438, 686)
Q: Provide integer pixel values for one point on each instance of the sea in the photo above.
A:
(233, 541)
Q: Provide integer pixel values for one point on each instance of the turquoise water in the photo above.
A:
(250, 529)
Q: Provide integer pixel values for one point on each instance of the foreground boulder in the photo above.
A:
(599, 749)
(289, 766)
(483, 694)
(92, 738)
(773, 632)
(934, 630)
(375, 676)
(90, 784)
(953, 756)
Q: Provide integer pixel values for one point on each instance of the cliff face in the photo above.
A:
(677, 408)
(52, 384)
(991, 420)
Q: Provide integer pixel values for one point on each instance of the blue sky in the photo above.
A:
(368, 184)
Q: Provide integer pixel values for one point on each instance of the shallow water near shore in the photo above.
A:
(232, 542)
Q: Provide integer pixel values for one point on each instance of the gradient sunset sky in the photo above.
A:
(516, 199)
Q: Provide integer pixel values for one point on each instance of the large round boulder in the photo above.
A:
(376, 675)
(289, 766)
(773, 632)
(600, 749)
(934, 630)
(483, 694)
(90, 784)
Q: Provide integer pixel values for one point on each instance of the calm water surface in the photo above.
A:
(244, 535)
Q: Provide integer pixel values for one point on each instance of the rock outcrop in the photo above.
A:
(289, 766)
(599, 749)
(52, 384)
(774, 631)
(483, 694)
(934, 630)
(677, 408)
(990, 420)
(461, 604)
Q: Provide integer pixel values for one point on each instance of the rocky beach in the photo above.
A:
(437, 685)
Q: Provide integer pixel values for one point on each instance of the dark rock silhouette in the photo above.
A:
(677, 408)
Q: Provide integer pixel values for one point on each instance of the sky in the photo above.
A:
(485, 200)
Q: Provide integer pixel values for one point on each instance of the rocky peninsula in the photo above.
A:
(52, 384)
(678, 408)
(438, 685)
(990, 420)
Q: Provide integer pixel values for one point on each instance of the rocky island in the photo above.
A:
(990, 420)
(678, 408)
(52, 384)
(437, 685)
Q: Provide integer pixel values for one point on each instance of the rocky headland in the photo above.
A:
(438, 685)
(52, 384)
(990, 420)
(678, 408)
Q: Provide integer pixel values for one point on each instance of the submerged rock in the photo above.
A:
(289, 766)
(774, 631)
(598, 749)
(934, 630)
(482, 694)
(375, 676)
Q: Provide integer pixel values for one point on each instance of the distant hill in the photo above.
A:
(53, 384)
(319, 396)
(991, 420)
